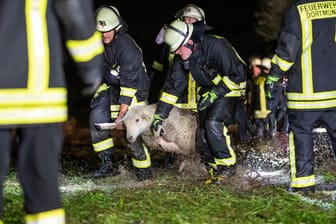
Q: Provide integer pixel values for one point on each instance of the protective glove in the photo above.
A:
(206, 100)
(270, 86)
(157, 127)
(269, 90)
(91, 79)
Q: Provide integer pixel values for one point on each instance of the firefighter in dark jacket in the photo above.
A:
(306, 54)
(219, 71)
(189, 14)
(33, 93)
(125, 84)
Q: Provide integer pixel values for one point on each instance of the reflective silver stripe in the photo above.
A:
(168, 98)
(130, 92)
(216, 80)
(231, 160)
(100, 89)
(297, 181)
(114, 115)
(114, 107)
(85, 50)
(283, 64)
(102, 145)
(311, 104)
(37, 45)
(230, 84)
(142, 163)
(192, 95)
(303, 181)
(327, 95)
(56, 216)
(33, 115)
(23, 97)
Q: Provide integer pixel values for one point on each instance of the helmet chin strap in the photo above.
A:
(190, 46)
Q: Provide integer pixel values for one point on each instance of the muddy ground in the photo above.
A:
(260, 161)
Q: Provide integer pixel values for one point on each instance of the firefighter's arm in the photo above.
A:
(122, 113)
(82, 41)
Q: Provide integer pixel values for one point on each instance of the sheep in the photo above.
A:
(179, 136)
(179, 129)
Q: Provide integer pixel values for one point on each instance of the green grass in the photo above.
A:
(172, 198)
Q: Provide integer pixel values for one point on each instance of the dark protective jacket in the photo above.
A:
(124, 69)
(32, 82)
(215, 63)
(306, 54)
(158, 72)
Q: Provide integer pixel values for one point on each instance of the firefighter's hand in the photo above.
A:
(206, 100)
(269, 89)
(157, 127)
(91, 79)
(270, 86)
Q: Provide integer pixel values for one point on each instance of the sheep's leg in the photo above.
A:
(169, 146)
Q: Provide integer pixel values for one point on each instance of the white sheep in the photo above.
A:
(179, 132)
(179, 129)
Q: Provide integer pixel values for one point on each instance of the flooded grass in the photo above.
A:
(257, 194)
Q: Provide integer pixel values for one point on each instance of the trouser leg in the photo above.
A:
(141, 159)
(38, 166)
(329, 119)
(301, 154)
(6, 146)
(102, 140)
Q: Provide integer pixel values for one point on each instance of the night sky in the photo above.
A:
(234, 21)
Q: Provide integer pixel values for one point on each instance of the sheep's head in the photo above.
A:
(136, 122)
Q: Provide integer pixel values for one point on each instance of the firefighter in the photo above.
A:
(264, 120)
(306, 55)
(219, 71)
(189, 14)
(34, 95)
(125, 84)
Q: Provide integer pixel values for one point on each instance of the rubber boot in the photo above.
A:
(224, 172)
(143, 174)
(107, 167)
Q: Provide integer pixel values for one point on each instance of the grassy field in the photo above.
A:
(174, 197)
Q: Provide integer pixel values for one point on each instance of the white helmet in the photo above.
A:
(107, 19)
(266, 63)
(193, 11)
(177, 34)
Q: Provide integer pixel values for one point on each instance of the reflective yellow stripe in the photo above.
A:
(168, 98)
(114, 107)
(102, 145)
(20, 106)
(192, 95)
(85, 50)
(56, 216)
(130, 92)
(231, 160)
(142, 163)
(283, 64)
(311, 104)
(23, 97)
(102, 87)
(298, 182)
(158, 66)
(33, 115)
(37, 45)
(217, 79)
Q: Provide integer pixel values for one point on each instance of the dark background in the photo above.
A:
(234, 21)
